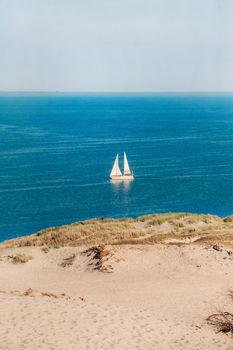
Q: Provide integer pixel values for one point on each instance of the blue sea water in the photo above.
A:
(57, 150)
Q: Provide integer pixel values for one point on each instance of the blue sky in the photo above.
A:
(116, 45)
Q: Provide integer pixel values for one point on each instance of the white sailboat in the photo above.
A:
(116, 173)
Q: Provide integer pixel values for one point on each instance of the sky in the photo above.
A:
(116, 45)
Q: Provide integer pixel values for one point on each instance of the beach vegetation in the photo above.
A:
(20, 258)
(68, 261)
(147, 229)
(45, 249)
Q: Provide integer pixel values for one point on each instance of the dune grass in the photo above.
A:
(223, 321)
(20, 258)
(68, 261)
(147, 229)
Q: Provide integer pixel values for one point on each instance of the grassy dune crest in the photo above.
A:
(169, 228)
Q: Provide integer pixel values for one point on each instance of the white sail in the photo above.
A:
(127, 170)
(115, 169)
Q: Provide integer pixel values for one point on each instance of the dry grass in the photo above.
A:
(68, 261)
(148, 229)
(19, 258)
(99, 258)
(223, 321)
(36, 293)
(45, 250)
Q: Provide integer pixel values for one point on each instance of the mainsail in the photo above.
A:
(127, 170)
(115, 169)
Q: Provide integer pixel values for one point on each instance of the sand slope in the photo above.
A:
(149, 297)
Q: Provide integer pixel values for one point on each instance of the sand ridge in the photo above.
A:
(149, 229)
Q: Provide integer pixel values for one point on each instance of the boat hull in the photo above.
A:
(122, 177)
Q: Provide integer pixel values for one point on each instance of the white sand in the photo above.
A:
(157, 297)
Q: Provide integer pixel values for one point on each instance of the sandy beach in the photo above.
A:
(129, 296)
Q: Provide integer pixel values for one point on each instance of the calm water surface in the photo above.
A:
(56, 152)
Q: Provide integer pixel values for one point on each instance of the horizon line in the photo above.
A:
(116, 92)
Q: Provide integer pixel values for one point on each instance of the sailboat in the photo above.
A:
(116, 173)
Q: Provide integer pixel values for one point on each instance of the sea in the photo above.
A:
(57, 151)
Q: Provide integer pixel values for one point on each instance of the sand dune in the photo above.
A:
(124, 297)
(148, 229)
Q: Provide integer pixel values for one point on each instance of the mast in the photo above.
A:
(115, 169)
(127, 170)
